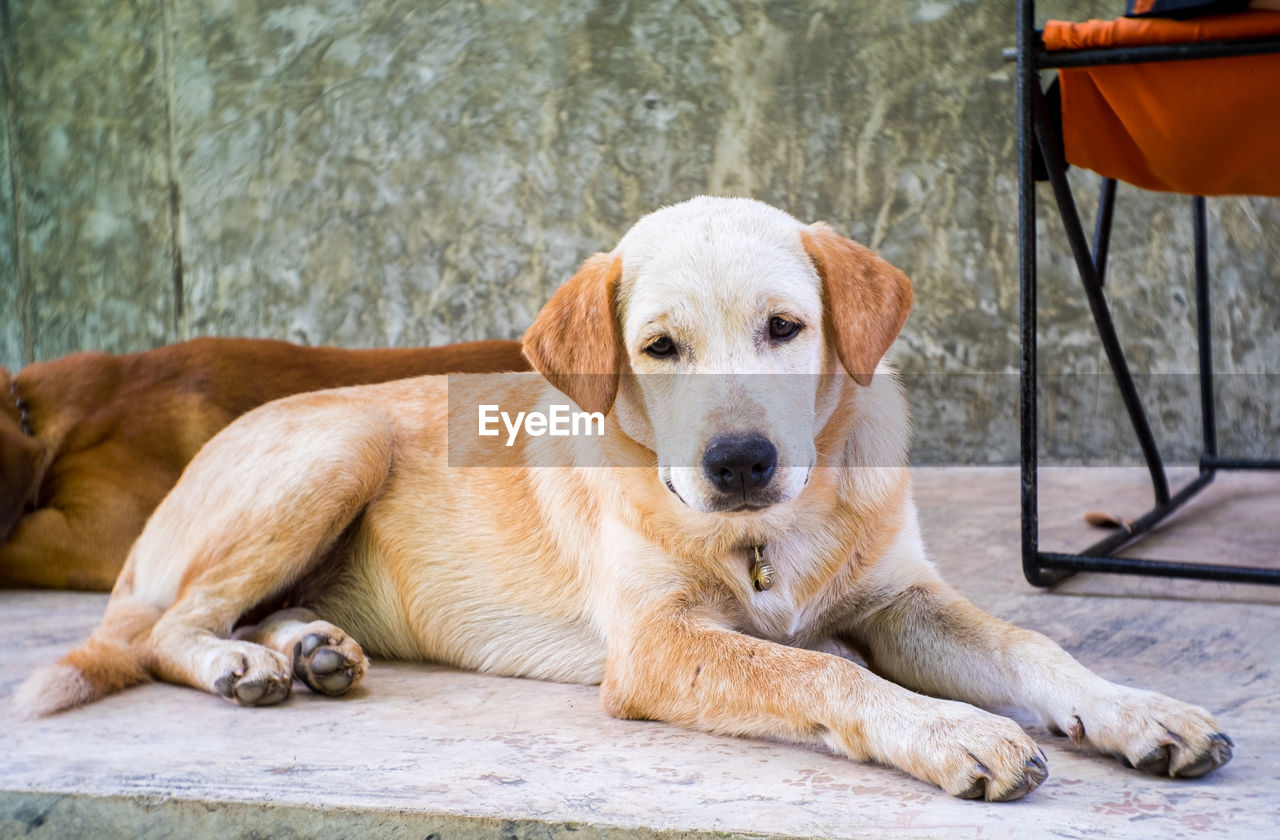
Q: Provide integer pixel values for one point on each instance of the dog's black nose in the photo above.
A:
(740, 463)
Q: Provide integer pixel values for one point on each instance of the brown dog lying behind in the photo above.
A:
(90, 443)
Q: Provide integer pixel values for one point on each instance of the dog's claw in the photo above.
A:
(1033, 774)
(1219, 753)
(1038, 769)
(981, 777)
(1156, 761)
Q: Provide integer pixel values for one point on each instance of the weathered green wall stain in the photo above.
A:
(89, 135)
(392, 173)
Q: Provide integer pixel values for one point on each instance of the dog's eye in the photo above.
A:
(782, 329)
(661, 347)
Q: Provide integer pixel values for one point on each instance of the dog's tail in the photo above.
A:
(111, 660)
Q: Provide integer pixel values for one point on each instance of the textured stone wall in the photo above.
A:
(387, 172)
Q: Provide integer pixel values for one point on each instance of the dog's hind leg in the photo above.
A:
(258, 508)
(323, 656)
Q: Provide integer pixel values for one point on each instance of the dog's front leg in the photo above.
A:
(931, 639)
(681, 662)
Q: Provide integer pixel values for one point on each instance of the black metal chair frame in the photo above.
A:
(1036, 128)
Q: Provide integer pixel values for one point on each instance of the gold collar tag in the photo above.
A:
(761, 569)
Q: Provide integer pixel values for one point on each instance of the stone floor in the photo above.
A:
(423, 751)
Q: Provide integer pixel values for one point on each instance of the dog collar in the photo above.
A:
(761, 569)
(23, 413)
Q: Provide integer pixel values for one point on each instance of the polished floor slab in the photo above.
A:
(421, 751)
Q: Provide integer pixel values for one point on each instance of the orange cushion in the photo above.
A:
(1202, 127)
(1140, 32)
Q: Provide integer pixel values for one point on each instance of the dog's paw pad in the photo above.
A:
(326, 664)
(253, 685)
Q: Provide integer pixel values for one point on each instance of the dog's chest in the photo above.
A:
(797, 609)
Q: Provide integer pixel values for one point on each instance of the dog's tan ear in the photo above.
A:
(866, 300)
(575, 341)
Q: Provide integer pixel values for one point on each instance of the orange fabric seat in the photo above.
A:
(1201, 127)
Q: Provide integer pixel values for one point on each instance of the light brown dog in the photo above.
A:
(744, 503)
(90, 443)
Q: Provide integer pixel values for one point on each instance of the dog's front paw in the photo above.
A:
(974, 754)
(1152, 732)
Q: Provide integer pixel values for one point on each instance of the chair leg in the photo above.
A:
(1102, 227)
(1207, 419)
(1097, 300)
(1027, 81)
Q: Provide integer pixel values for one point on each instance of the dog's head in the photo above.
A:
(20, 457)
(712, 331)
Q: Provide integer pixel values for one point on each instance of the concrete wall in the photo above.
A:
(385, 172)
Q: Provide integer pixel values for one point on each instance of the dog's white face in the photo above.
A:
(716, 331)
(721, 322)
